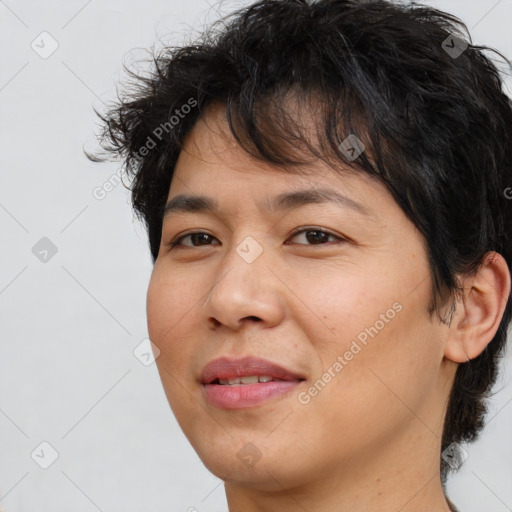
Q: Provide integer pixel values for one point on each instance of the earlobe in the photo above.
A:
(479, 312)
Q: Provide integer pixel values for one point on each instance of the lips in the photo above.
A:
(230, 368)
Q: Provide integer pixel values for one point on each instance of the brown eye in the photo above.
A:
(316, 236)
(200, 237)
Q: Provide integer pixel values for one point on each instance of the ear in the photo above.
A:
(479, 312)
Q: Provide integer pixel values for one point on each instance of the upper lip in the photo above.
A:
(231, 368)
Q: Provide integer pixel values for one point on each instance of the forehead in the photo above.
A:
(289, 132)
(210, 150)
(215, 176)
(215, 173)
(285, 201)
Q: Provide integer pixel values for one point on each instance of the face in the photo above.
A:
(335, 292)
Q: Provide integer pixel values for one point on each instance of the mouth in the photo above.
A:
(245, 370)
(246, 382)
(250, 379)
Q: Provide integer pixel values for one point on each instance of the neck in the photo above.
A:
(400, 476)
(424, 495)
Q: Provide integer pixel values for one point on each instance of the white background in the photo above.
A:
(68, 327)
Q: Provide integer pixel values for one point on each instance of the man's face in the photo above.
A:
(343, 304)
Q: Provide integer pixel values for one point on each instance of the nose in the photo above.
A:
(246, 289)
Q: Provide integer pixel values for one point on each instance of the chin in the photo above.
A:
(256, 464)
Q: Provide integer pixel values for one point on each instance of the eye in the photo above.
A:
(319, 237)
(197, 236)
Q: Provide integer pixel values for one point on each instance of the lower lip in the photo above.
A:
(246, 395)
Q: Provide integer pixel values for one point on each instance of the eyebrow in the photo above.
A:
(287, 201)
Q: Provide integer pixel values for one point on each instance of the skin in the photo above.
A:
(371, 438)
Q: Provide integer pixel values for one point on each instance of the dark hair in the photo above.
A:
(404, 79)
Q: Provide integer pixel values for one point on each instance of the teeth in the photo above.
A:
(250, 379)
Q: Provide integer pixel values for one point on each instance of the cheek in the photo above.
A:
(346, 307)
(170, 308)
(383, 356)
(374, 321)
(168, 302)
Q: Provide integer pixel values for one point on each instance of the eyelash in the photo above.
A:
(176, 242)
